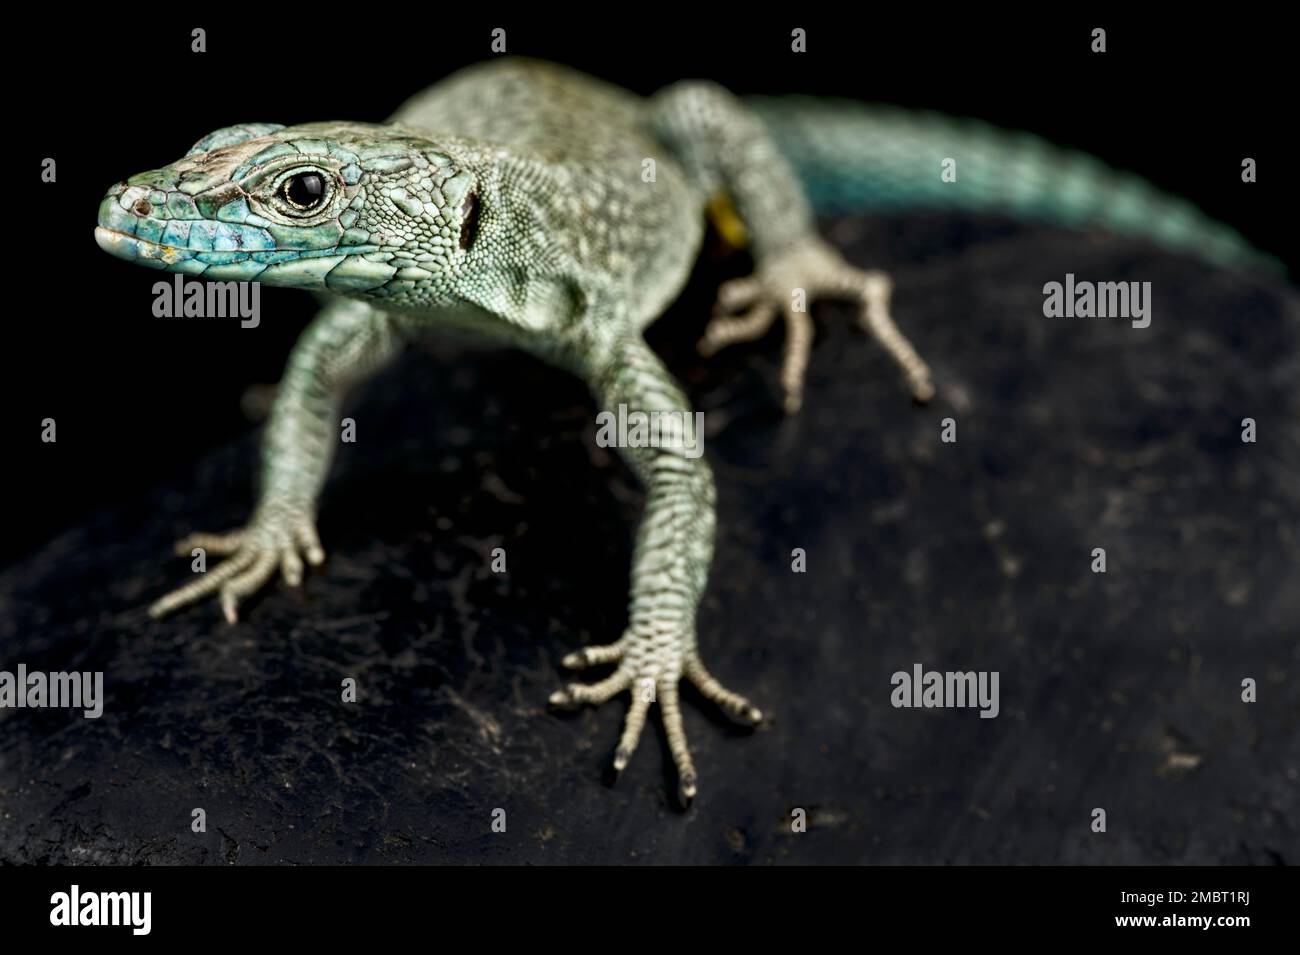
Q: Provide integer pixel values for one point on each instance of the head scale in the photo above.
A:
(374, 211)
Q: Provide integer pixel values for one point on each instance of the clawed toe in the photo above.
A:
(735, 705)
(875, 289)
(724, 330)
(247, 583)
(576, 694)
(594, 656)
(658, 685)
(221, 545)
(252, 556)
(804, 272)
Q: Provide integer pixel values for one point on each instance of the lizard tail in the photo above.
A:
(857, 158)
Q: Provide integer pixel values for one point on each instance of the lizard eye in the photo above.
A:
(304, 191)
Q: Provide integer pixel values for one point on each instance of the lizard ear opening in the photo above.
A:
(468, 219)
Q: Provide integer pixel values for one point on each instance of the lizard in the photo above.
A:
(527, 204)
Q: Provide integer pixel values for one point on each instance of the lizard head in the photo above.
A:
(374, 211)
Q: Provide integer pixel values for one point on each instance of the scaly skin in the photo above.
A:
(506, 202)
(855, 158)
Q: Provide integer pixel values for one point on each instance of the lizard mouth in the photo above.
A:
(309, 268)
(232, 251)
(134, 249)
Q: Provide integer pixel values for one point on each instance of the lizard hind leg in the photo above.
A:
(724, 330)
(753, 324)
(728, 152)
(784, 285)
(874, 289)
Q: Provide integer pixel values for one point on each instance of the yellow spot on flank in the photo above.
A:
(725, 220)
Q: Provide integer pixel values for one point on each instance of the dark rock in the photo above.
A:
(1120, 691)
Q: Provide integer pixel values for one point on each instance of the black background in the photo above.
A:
(136, 398)
(336, 906)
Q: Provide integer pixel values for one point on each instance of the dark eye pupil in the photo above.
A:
(305, 189)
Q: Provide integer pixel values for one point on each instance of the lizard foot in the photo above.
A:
(748, 306)
(252, 555)
(651, 668)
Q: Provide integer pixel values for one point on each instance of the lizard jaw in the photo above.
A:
(309, 269)
(134, 249)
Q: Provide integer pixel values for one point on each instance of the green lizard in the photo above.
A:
(528, 204)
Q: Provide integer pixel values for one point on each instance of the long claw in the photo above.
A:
(798, 343)
(220, 545)
(205, 585)
(733, 703)
(724, 330)
(817, 270)
(735, 294)
(575, 694)
(247, 583)
(875, 291)
(594, 656)
(671, 711)
(307, 538)
(291, 568)
(652, 680)
(254, 554)
(632, 727)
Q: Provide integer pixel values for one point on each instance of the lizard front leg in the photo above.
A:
(670, 567)
(344, 343)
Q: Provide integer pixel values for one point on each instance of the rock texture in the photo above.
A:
(1119, 690)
